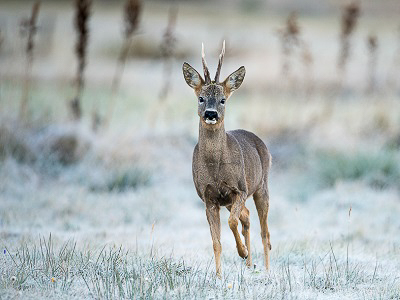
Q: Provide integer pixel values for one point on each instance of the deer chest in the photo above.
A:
(221, 193)
(218, 182)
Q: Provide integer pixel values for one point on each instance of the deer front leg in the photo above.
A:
(212, 212)
(236, 209)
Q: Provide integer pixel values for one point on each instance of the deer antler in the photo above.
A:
(205, 68)
(221, 58)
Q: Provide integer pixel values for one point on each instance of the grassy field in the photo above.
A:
(114, 213)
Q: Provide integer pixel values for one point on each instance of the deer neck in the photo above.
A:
(211, 142)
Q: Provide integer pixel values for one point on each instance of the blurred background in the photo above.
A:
(97, 125)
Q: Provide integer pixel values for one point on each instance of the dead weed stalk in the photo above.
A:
(132, 10)
(350, 15)
(291, 40)
(372, 44)
(28, 27)
(82, 14)
(167, 47)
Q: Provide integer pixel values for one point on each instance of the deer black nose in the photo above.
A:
(211, 115)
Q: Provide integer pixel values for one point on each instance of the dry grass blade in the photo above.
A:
(28, 27)
(81, 26)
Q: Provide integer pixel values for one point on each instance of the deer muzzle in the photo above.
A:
(211, 117)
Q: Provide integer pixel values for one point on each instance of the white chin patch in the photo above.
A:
(212, 122)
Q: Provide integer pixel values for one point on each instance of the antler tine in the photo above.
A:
(221, 58)
(205, 68)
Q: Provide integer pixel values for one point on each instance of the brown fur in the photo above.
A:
(228, 167)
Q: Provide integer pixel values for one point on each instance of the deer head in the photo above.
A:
(212, 95)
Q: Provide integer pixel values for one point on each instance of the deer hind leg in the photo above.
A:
(245, 220)
(261, 200)
(213, 218)
(236, 209)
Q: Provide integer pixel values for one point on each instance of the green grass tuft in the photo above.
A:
(379, 170)
(120, 180)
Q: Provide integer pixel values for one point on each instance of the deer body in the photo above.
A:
(228, 167)
(227, 162)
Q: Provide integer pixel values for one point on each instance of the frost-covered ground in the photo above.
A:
(122, 219)
(321, 248)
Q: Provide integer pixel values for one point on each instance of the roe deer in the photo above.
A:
(228, 167)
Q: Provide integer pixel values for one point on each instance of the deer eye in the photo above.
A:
(201, 100)
(223, 101)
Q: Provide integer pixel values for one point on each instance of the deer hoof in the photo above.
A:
(243, 253)
(248, 263)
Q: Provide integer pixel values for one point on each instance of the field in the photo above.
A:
(113, 212)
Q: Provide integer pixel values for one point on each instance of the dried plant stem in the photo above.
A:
(132, 12)
(350, 16)
(31, 27)
(307, 59)
(116, 82)
(292, 40)
(167, 48)
(167, 51)
(372, 44)
(81, 26)
(166, 86)
(289, 36)
(25, 90)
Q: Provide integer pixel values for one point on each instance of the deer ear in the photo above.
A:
(192, 77)
(233, 81)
